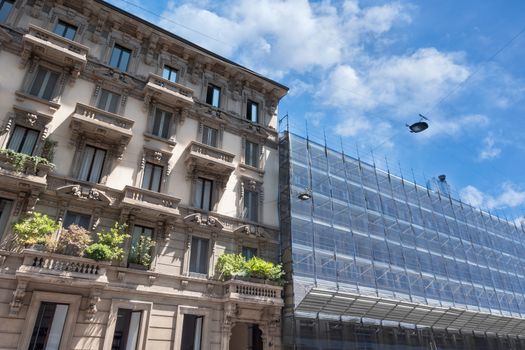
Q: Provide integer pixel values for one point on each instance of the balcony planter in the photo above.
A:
(256, 270)
(35, 230)
(24, 163)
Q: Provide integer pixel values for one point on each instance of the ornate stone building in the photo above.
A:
(148, 129)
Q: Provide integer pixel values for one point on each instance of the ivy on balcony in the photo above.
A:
(21, 161)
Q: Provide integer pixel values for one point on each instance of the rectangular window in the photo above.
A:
(252, 111)
(23, 140)
(213, 96)
(249, 252)
(203, 194)
(209, 136)
(161, 123)
(65, 30)
(126, 330)
(108, 101)
(199, 255)
(169, 73)
(251, 154)
(49, 325)
(5, 9)
(5, 212)
(78, 219)
(136, 255)
(120, 57)
(92, 164)
(192, 332)
(44, 84)
(152, 177)
(251, 205)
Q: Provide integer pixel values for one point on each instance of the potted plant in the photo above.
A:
(140, 255)
(109, 244)
(73, 241)
(256, 269)
(35, 230)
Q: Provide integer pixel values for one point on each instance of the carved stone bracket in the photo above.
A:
(91, 309)
(18, 298)
(250, 230)
(84, 193)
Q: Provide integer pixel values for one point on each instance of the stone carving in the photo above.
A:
(91, 310)
(31, 118)
(84, 193)
(18, 298)
(251, 230)
(199, 219)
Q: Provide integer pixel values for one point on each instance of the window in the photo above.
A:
(161, 123)
(49, 325)
(5, 211)
(66, 30)
(127, 330)
(120, 57)
(209, 136)
(169, 73)
(192, 332)
(92, 164)
(78, 219)
(213, 97)
(108, 101)
(5, 9)
(252, 111)
(23, 140)
(199, 255)
(251, 154)
(251, 205)
(152, 177)
(203, 194)
(249, 252)
(135, 255)
(44, 84)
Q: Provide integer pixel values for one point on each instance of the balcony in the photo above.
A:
(18, 167)
(253, 293)
(167, 92)
(54, 48)
(99, 123)
(207, 159)
(150, 202)
(62, 269)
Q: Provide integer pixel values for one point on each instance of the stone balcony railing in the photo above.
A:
(54, 48)
(89, 119)
(151, 202)
(26, 169)
(201, 157)
(167, 92)
(253, 292)
(53, 267)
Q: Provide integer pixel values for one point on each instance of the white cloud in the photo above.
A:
(509, 197)
(489, 151)
(455, 125)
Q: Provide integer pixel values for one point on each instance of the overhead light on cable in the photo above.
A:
(419, 126)
(305, 195)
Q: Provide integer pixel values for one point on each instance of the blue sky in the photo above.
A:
(360, 70)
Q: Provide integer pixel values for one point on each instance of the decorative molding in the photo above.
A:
(18, 298)
(200, 220)
(85, 193)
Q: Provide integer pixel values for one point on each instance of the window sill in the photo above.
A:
(21, 96)
(198, 275)
(169, 142)
(246, 167)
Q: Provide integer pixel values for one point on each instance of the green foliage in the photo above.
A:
(229, 265)
(141, 253)
(109, 242)
(99, 252)
(20, 161)
(73, 241)
(260, 268)
(35, 228)
(48, 150)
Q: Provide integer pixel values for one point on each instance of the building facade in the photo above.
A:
(145, 129)
(376, 262)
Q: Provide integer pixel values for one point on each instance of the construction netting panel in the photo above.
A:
(367, 230)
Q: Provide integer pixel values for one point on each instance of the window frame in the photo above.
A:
(249, 111)
(78, 214)
(155, 157)
(249, 184)
(111, 93)
(254, 154)
(69, 325)
(122, 49)
(154, 167)
(196, 311)
(67, 26)
(211, 203)
(210, 87)
(116, 304)
(248, 211)
(2, 2)
(102, 168)
(171, 69)
(249, 248)
(55, 92)
(203, 133)
(24, 138)
(170, 123)
(207, 256)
